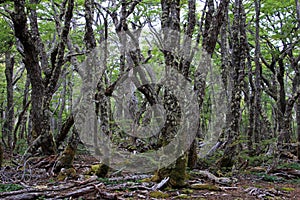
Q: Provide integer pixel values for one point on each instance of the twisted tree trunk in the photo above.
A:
(36, 63)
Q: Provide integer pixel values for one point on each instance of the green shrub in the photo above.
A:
(10, 187)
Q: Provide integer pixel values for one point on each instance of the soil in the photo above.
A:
(38, 182)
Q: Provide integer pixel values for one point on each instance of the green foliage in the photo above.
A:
(294, 181)
(210, 161)
(290, 166)
(269, 178)
(10, 187)
(6, 35)
(21, 146)
(41, 197)
(257, 160)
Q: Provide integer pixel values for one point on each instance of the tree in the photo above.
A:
(238, 57)
(34, 54)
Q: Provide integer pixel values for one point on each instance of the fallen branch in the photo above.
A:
(210, 176)
(160, 184)
(58, 192)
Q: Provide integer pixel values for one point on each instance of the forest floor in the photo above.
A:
(34, 180)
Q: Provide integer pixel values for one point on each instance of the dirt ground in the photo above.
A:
(37, 182)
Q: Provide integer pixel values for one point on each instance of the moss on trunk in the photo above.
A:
(65, 160)
(176, 172)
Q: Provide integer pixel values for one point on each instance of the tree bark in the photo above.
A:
(298, 127)
(9, 121)
(42, 88)
(214, 19)
(237, 64)
(298, 12)
(170, 22)
(1, 155)
(258, 83)
(22, 133)
(31, 63)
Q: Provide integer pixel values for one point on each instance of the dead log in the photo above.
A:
(210, 176)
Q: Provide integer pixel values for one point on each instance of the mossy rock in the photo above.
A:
(158, 194)
(99, 170)
(200, 186)
(93, 169)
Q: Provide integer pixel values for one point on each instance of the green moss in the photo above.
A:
(99, 170)
(158, 194)
(258, 186)
(176, 172)
(66, 173)
(93, 169)
(146, 180)
(187, 191)
(155, 177)
(287, 189)
(68, 157)
(61, 176)
(205, 187)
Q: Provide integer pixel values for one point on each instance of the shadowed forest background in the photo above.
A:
(241, 58)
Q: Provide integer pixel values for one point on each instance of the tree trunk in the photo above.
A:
(33, 69)
(237, 65)
(67, 157)
(9, 121)
(62, 101)
(298, 12)
(170, 22)
(22, 133)
(258, 80)
(283, 122)
(1, 155)
(34, 55)
(298, 127)
(185, 68)
(214, 19)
